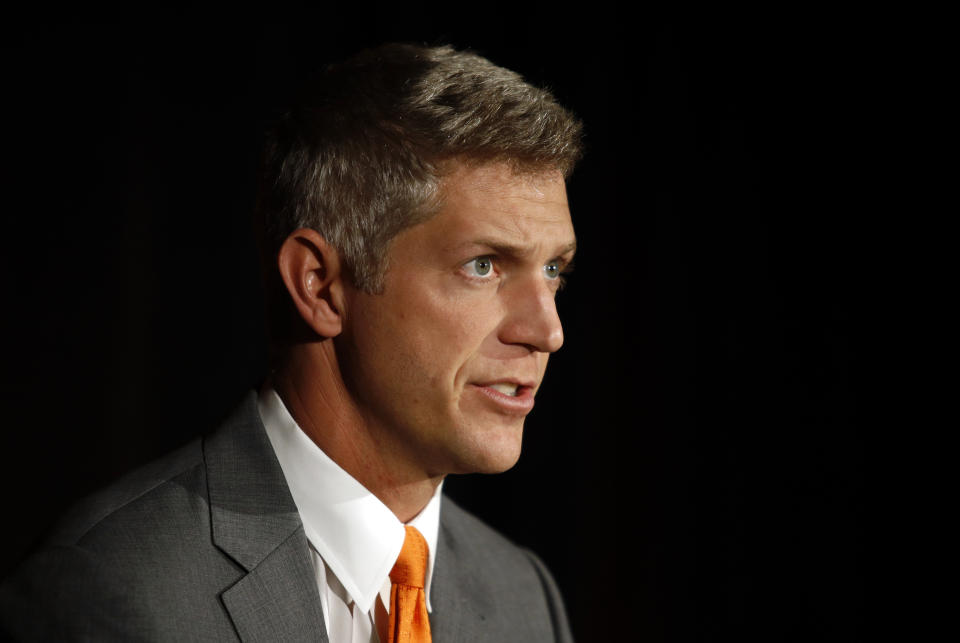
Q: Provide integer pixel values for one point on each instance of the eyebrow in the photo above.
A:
(509, 249)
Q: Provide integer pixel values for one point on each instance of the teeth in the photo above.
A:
(506, 389)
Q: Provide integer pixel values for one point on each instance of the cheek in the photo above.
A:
(456, 322)
(429, 327)
(427, 342)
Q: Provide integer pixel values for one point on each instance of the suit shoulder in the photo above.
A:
(177, 466)
(99, 570)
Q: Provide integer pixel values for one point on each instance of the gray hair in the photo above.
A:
(362, 155)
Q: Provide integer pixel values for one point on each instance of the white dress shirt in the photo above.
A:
(354, 538)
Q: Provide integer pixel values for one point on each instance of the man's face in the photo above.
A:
(445, 363)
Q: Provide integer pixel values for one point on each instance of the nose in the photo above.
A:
(532, 318)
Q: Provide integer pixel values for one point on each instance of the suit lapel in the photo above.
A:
(270, 603)
(255, 522)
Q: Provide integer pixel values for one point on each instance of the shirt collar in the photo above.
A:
(357, 536)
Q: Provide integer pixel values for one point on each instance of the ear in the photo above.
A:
(312, 273)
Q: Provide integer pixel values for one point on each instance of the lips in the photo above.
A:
(511, 386)
(506, 388)
(508, 396)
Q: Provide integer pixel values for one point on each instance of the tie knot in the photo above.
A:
(411, 566)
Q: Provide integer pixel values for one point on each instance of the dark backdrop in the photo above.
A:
(693, 468)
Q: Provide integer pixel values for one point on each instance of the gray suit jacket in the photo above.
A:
(206, 544)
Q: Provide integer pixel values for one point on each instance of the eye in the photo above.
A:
(552, 269)
(479, 267)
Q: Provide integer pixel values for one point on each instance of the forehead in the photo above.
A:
(524, 210)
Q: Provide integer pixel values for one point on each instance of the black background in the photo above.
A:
(693, 469)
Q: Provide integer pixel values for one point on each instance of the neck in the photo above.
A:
(309, 383)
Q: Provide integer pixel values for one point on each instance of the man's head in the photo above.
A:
(415, 205)
(363, 154)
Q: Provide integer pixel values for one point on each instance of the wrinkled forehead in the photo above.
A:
(521, 207)
(500, 176)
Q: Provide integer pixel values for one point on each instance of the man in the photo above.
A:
(415, 231)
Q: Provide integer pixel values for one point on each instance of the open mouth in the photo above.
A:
(506, 388)
(509, 397)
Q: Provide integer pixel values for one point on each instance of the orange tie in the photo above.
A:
(408, 621)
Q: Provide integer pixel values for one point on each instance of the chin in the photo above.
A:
(492, 451)
(501, 467)
(496, 464)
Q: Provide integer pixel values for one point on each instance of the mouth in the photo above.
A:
(513, 398)
(506, 388)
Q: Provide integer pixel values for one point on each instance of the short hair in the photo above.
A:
(362, 154)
